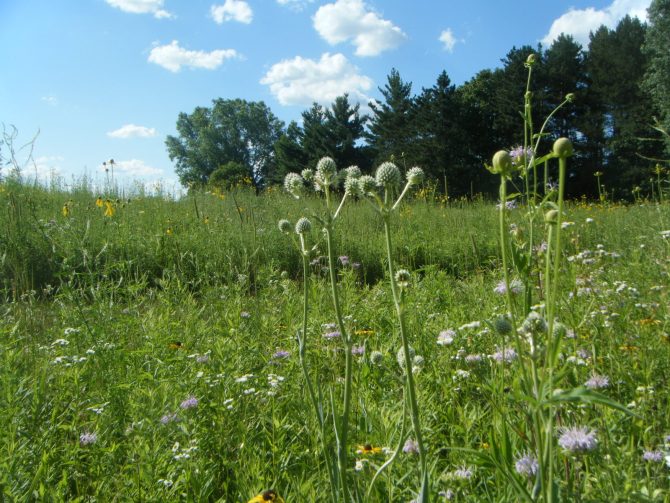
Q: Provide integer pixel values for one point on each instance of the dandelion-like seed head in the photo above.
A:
(388, 175)
(294, 185)
(326, 170)
(563, 148)
(303, 226)
(284, 226)
(502, 163)
(578, 439)
(415, 176)
(403, 277)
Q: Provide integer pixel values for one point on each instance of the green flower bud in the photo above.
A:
(285, 226)
(352, 186)
(303, 226)
(326, 170)
(388, 175)
(563, 148)
(293, 183)
(502, 325)
(415, 176)
(403, 278)
(531, 59)
(570, 97)
(367, 184)
(551, 217)
(353, 172)
(502, 163)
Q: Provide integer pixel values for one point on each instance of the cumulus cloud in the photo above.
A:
(297, 5)
(448, 40)
(154, 7)
(133, 131)
(302, 81)
(172, 57)
(350, 20)
(134, 167)
(232, 10)
(45, 168)
(580, 22)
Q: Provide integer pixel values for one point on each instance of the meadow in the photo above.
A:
(150, 350)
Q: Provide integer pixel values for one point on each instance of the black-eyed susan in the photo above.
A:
(368, 449)
(269, 495)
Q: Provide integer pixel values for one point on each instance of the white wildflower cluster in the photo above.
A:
(180, 453)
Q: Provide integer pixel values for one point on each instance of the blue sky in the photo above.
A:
(105, 79)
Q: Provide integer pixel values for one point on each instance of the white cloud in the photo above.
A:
(232, 10)
(173, 57)
(50, 100)
(133, 131)
(449, 40)
(349, 20)
(154, 7)
(301, 81)
(580, 22)
(297, 5)
(134, 167)
(45, 168)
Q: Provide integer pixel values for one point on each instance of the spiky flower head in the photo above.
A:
(388, 175)
(578, 439)
(563, 148)
(403, 278)
(293, 183)
(502, 163)
(502, 325)
(307, 174)
(526, 465)
(534, 324)
(284, 226)
(326, 170)
(415, 176)
(352, 186)
(352, 172)
(303, 226)
(367, 184)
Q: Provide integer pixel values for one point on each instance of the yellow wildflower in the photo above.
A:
(66, 210)
(169, 231)
(109, 208)
(98, 202)
(269, 495)
(368, 449)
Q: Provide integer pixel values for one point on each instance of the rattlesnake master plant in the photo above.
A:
(388, 176)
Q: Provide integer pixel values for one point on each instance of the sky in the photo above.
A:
(106, 79)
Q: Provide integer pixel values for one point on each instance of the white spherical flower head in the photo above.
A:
(367, 184)
(303, 226)
(307, 174)
(376, 357)
(326, 170)
(400, 356)
(388, 175)
(293, 183)
(352, 186)
(353, 172)
(403, 278)
(415, 176)
(285, 226)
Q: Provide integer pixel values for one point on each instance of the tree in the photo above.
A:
(315, 140)
(391, 127)
(232, 130)
(229, 175)
(344, 128)
(290, 156)
(657, 42)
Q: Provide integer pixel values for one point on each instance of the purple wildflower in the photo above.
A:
(515, 286)
(344, 260)
(578, 439)
(526, 465)
(358, 350)
(169, 418)
(597, 382)
(88, 438)
(411, 447)
(189, 403)
(475, 358)
(448, 494)
(332, 335)
(463, 472)
(281, 354)
(520, 154)
(446, 337)
(653, 456)
(507, 356)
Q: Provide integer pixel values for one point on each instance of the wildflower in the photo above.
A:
(526, 465)
(368, 449)
(358, 350)
(403, 278)
(446, 337)
(502, 325)
(534, 324)
(169, 418)
(269, 495)
(562, 148)
(415, 176)
(202, 358)
(284, 226)
(520, 154)
(411, 447)
(464, 473)
(109, 209)
(376, 357)
(332, 335)
(189, 403)
(461, 374)
(293, 183)
(448, 494)
(515, 287)
(653, 456)
(98, 202)
(360, 464)
(344, 260)
(387, 175)
(400, 356)
(326, 169)
(65, 210)
(578, 439)
(597, 382)
(281, 354)
(476, 358)
(502, 163)
(353, 172)
(303, 226)
(167, 483)
(88, 438)
(507, 356)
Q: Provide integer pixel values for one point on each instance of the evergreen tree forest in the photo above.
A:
(620, 87)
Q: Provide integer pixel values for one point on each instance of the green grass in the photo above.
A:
(122, 289)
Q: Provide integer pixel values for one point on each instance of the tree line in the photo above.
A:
(620, 82)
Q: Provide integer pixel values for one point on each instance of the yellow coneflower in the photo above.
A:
(368, 449)
(98, 202)
(269, 495)
(109, 208)
(66, 210)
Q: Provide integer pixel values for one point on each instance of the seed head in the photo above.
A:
(285, 226)
(293, 183)
(563, 148)
(415, 176)
(388, 175)
(502, 163)
(303, 226)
